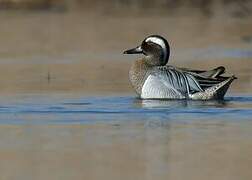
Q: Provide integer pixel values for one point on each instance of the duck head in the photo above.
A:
(155, 48)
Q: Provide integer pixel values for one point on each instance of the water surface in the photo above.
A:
(67, 136)
(70, 109)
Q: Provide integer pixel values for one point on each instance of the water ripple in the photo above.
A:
(107, 109)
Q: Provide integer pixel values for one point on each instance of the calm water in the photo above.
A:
(108, 137)
(70, 109)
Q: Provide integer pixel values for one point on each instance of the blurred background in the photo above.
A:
(77, 45)
(83, 120)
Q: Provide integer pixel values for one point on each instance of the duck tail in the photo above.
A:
(220, 89)
(214, 92)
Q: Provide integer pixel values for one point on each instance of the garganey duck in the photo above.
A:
(152, 78)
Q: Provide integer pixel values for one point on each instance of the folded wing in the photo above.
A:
(188, 80)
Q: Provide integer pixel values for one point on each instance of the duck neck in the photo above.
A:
(138, 73)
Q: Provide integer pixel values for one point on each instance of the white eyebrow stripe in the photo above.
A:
(159, 42)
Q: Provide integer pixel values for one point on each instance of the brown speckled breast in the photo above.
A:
(138, 73)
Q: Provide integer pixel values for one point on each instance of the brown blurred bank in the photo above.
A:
(77, 45)
(234, 7)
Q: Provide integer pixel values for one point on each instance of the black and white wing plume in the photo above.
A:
(183, 82)
(213, 73)
(207, 79)
(190, 81)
